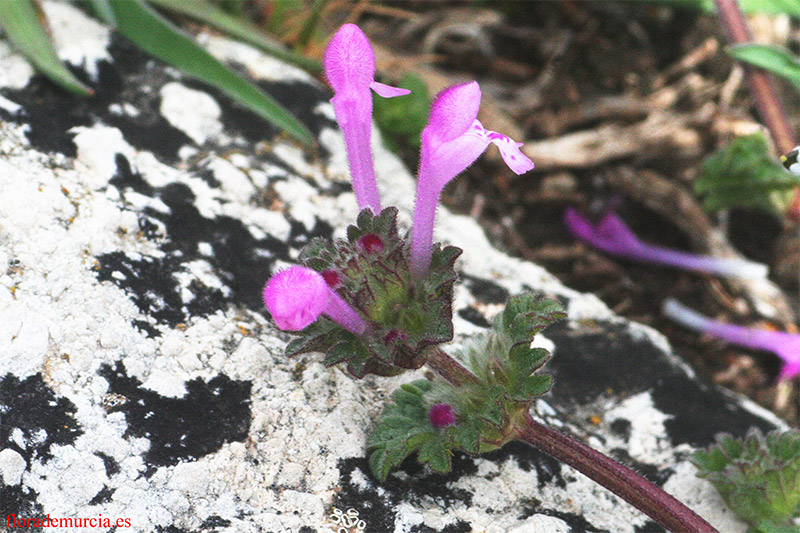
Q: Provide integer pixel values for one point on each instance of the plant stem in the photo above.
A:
(619, 479)
(762, 87)
(450, 369)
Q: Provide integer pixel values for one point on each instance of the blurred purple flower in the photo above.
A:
(350, 68)
(297, 296)
(611, 235)
(453, 139)
(784, 345)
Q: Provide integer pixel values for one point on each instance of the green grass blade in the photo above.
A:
(155, 35)
(21, 21)
(236, 27)
(310, 25)
(775, 59)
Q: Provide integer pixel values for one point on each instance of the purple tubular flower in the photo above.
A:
(612, 236)
(441, 415)
(297, 296)
(453, 139)
(784, 345)
(350, 68)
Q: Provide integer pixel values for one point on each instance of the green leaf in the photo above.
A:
(775, 59)
(756, 477)
(25, 28)
(401, 120)
(744, 174)
(157, 36)
(236, 27)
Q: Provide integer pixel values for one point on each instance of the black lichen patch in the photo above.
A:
(377, 508)
(548, 470)
(104, 496)
(621, 427)
(110, 464)
(171, 529)
(50, 112)
(240, 261)
(604, 358)
(32, 408)
(700, 411)
(471, 314)
(213, 522)
(459, 526)
(21, 502)
(649, 527)
(485, 291)
(594, 358)
(300, 98)
(577, 523)
(209, 415)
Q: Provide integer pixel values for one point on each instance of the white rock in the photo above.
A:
(12, 465)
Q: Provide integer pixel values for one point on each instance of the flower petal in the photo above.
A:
(518, 162)
(349, 60)
(387, 91)
(453, 111)
(296, 297)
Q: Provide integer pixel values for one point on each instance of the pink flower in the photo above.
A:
(611, 235)
(441, 415)
(350, 68)
(453, 139)
(297, 296)
(784, 345)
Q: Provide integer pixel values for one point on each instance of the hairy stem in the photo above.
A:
(762, 87)
(450, 369)
(614, 476)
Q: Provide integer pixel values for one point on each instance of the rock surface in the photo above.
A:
(140, 377)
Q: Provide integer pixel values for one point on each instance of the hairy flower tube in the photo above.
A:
(453, 139)
(784, 345)
(297, 296)
(611, 235)
(350, 69)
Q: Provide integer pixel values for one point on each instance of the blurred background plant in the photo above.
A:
(25, 25)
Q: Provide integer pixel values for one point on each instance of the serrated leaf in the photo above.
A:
(436, 455)
(536, 385)
(468, 436)
(237, 27)
(155, 35)
(775, 59)
(379, 464)
(744, 174)
(526, 315)
(24, 26)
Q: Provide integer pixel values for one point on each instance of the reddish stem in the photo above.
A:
(619, 479)
(762, 87)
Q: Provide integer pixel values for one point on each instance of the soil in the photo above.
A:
(655, 94)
